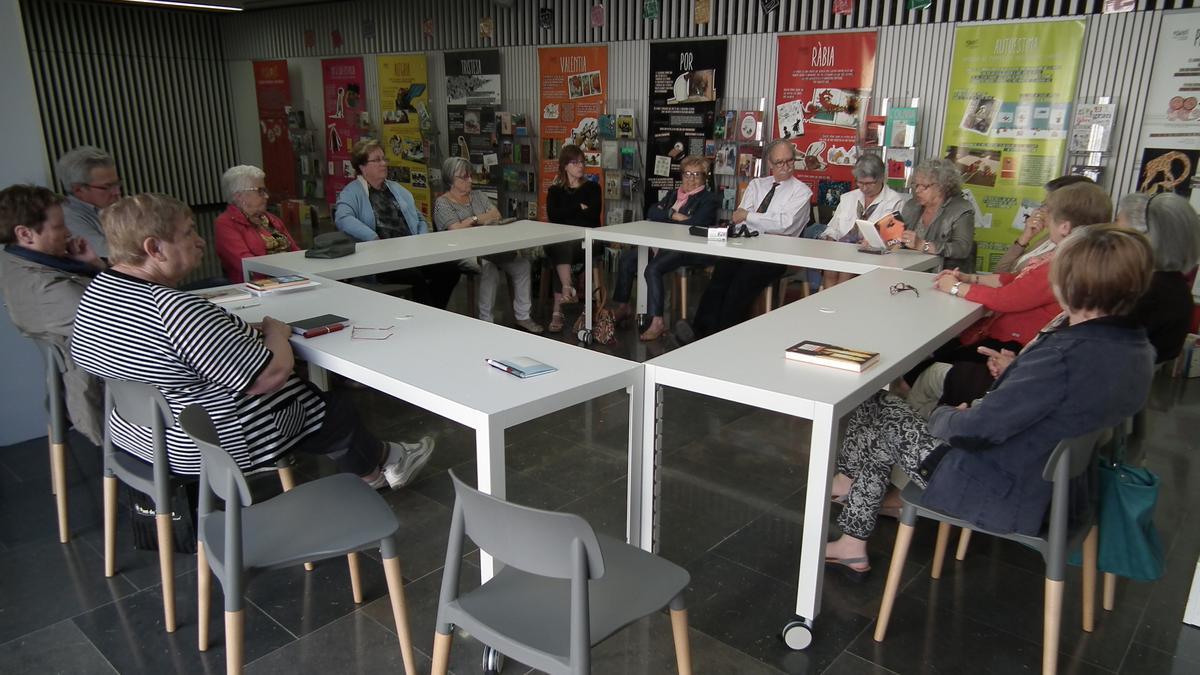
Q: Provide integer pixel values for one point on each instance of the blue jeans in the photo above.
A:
(813, 231)
(662, 264)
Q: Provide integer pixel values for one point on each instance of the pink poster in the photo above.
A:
(346, 119)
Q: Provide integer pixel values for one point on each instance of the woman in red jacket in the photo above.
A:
(246, 229)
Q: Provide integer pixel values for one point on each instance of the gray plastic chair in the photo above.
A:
(563, 588)
(334, 516)
(1071, 458)
(57, 432)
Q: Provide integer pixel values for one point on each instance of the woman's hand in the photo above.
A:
(1033, 226)
(947, 282)
(79, 249)
(679, 217)
(958, 276)
(998, 361)
(909, 239)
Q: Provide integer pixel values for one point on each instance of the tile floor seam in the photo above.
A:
(391, 630)
(264, 612)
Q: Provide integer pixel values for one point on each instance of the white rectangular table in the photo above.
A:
(389, 255)
(435, 359)
(746, 364)
(793, 251)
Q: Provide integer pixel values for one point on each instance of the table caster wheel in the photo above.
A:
(797, 633)
(493, 661)
(585, 336)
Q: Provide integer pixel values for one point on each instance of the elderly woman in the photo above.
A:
(1019, 253)
(692, 203)
(937, 219)
(984, 463)
(44, 271)
(246, 229)
(373, 207)
(872, 200)
(571, 200)
(134, 325)
(463, 207)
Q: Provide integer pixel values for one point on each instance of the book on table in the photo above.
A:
(824, 354)
(319, 325)
(225, 294)
(291, 282)
(521, 366)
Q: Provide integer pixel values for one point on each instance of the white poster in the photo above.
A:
(1171, 116)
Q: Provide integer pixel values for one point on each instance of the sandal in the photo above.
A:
(569, 294)
(653, 333)
(557, 322)
(847, 567)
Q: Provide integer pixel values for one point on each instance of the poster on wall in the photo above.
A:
(685, 81)
(821, 93)
(1008, 115)
(1171, 117)
(345, 118)
(404, 99)
(574, 93)
(274, 93)
(473, 94)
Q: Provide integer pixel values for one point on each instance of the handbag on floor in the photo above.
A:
(604, 327)
(145, 528)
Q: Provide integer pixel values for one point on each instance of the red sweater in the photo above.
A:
(237, 238)
(1020, 307)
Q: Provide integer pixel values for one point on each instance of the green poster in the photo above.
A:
(1007, 120)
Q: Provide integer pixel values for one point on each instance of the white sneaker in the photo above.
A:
(412, 458)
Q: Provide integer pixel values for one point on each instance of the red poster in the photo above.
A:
(274, 93)
(345, 118)
(822, 90)
(574, 91)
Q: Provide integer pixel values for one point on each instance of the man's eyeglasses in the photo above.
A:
(901, 287)
(783, 162)
(104, 188)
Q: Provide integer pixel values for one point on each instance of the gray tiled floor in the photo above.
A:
(733, 503)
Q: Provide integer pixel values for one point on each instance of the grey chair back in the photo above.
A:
(55, 396)
(1070, 459)
(218, 471)
(1076, 453)
(531, 540)
(141, 404)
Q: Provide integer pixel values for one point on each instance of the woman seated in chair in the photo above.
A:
(133, 324)
(983, 463)
(872, 200)
(572, 200)
(691, 204)
(246, 228)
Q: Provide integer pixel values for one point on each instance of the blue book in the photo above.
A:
(521, 366)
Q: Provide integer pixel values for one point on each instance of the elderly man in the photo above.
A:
(90, 181)
(775, 204)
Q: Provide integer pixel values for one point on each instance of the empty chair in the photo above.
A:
(57, 432)
(1070, 458)
(334, 516)
(563, 588)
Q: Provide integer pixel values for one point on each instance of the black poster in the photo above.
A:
(685, 78)
(472, 97)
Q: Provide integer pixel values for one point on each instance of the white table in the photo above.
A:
(435, 359)
(389, 255)
(746, 364)
(793, 251)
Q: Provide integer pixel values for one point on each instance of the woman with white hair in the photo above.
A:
(871, 200)
(246, 229)
(938, 220)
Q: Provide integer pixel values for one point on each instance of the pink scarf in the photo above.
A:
(682, 197)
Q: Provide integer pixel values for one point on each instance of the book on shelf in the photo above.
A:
(625, 123)
(607, 127)
(521, 366)
(291, 282)
(823, 354)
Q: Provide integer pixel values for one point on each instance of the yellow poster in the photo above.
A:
(404, 99)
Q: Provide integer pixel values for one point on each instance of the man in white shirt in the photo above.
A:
(90, 181)
(777, 204)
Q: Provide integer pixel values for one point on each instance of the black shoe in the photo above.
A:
(684, 332)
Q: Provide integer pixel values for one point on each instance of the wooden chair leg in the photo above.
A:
(964, 538)
(1052, 621)
(355, 578)
(895, 571)
(395, 584)
(166, 567)
(50, 456)
(1090, 550)
(110, 526)
(287, 478)
(203, 601)
(1110, 591)
(683, 648)
(939, 551)
(235, 641)
(441, 653)
(58, 474)
(683, 301)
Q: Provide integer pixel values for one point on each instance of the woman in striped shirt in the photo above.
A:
(133, 324)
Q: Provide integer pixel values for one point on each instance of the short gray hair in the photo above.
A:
(239, 179)
(943, 173)
(771, 148)
(453, 166)
(1172, 225)
(868, 166)
(75, 167)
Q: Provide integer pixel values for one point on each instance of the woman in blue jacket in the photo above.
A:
(373, 207)
(983, 463)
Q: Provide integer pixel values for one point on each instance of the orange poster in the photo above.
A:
(574, 91)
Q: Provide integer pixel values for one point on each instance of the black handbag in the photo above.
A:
(183, 520)
(331, 245)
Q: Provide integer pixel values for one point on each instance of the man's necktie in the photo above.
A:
(766, 202)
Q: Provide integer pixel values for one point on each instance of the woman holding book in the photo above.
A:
(692, 203)
(133, 324)
(871, 200)
(246, 229)
(983, 463)
(938, 220)
(572, 200)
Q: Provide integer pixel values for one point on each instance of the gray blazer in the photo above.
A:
(1055, 389)
(953, 228)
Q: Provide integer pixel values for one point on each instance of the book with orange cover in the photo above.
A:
(890, 228)
(824, 354)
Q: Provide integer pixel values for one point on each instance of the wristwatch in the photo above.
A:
(955, 287)
(925, 247)
(474, 220)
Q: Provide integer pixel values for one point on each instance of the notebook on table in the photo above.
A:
(521, 366)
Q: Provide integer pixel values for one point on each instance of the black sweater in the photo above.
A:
(564, 205)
